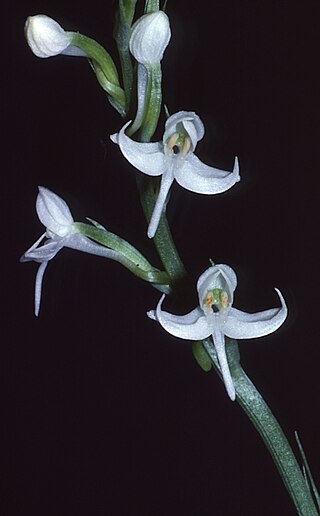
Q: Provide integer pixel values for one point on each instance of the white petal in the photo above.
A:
(240, 325)
(219, 344)
(192, 326)
(38, 287)
(44, 253)
(25, 256)
(189, 121)
(166, 182)
(146, 157)
(217, 276)
(53, 212)
(200, 178)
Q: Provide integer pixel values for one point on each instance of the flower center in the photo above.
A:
(216, 299)
(179, 143)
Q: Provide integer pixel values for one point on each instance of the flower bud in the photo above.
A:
(47, 38)
(149, 38)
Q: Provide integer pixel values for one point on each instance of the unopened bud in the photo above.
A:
(149, 38)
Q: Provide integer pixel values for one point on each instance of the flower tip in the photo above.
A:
(114, 138)
(281, 298)
(236, 169)
(152, 315)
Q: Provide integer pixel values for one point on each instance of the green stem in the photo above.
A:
(268, 427)
(122, 31)
(153, 102)
(151, 6)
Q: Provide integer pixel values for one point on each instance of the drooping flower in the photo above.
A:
(47, 38)
(216, 317)
(174, 158)
(150, 36)
(61, 231)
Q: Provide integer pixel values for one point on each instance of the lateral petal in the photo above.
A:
(241, 325)
(149, 158)
(200, 178)
(192, 326)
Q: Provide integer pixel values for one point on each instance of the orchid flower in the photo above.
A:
(174, 158)
(61, 231)
(216, 317)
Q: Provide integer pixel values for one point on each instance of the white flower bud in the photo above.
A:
(47, 38)
(149, 38)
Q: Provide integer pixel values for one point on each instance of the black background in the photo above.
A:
(109, 415)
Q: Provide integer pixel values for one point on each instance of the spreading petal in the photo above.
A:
(200, 178)
(192, 326)
(240, 325)
(146, 157)
(44, 253)
(166, 182)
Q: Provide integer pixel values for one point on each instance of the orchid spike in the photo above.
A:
(174, 159)
(216, 317)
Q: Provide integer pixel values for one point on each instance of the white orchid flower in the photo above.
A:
(216, 317)
(47, 38)
(61, 231)
(174, 158)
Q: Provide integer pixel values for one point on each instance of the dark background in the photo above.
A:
(108, 414)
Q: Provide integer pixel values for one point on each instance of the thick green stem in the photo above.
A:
(268, 427)
(122, 31)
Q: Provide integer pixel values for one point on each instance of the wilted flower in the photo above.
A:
(216, 317)
(174, 158)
